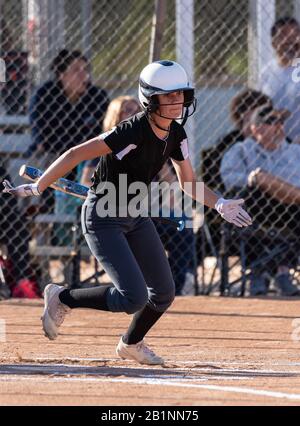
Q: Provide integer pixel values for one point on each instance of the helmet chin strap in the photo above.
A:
(184, 120)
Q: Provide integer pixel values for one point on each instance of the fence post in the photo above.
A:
(262, 16)
(86, 27)
(157, 30)
(297, 10)
(185, 56)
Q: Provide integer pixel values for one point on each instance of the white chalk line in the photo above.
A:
(174, 383)
(170, 380)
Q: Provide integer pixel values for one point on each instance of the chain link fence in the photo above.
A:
(229, 53)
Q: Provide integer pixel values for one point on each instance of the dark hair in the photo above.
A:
(281, 22)
(246, 101)
(65, 57)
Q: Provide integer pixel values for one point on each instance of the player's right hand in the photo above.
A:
(22, 190)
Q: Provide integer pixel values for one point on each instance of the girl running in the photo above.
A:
(129, 248)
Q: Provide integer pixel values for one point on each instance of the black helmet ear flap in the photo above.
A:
(188, 97)
(153, 104)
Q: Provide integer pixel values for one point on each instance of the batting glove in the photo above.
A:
(22, 190)
(232, 211)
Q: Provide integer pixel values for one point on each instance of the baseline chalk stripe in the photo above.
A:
(160, 382)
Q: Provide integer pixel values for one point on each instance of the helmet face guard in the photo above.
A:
(163, 77)
(188, 106)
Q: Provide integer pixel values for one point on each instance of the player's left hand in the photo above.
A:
(232, 211)
(22, 190)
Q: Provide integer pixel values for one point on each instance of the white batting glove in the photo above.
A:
(232, 211)
(22, 190)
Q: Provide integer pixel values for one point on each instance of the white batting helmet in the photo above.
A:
(163, 77)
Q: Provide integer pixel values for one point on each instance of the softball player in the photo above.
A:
(129, 248)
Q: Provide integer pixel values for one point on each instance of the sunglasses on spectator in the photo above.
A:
(273, 121)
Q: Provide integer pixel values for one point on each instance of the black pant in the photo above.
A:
(131, 252)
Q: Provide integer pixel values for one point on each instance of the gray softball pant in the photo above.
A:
(131, 253)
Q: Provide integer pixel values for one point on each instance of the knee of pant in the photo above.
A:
(165, 299)
(136, 304)
(132, 308)
(170, 296)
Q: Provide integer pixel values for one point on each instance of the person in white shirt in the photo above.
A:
(277, 79)
(266, 168)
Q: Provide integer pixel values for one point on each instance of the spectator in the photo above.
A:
(241, 109)
(64, 112)
(15, 236)
(266, 167)
(69, 104)
(277, 76)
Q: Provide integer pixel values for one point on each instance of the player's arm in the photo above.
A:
(230, 210)
(186, 174)
(93, 148)
(66, 162)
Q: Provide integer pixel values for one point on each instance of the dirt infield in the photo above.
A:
(218, 351)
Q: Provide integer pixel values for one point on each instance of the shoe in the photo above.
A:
(54, 311)
(138, 352)
(285, 285)
(27, 289)
(258, 285)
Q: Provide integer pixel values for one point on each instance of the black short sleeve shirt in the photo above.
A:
(138, 152)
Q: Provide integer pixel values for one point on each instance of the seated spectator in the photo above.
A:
(64, 112)
(241, 109)
(277, 76)
(15, 236)
(266, 168)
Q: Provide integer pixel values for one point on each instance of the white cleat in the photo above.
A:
(54, 311)
(138, 352)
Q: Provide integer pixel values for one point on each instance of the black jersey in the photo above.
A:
(137, 152)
